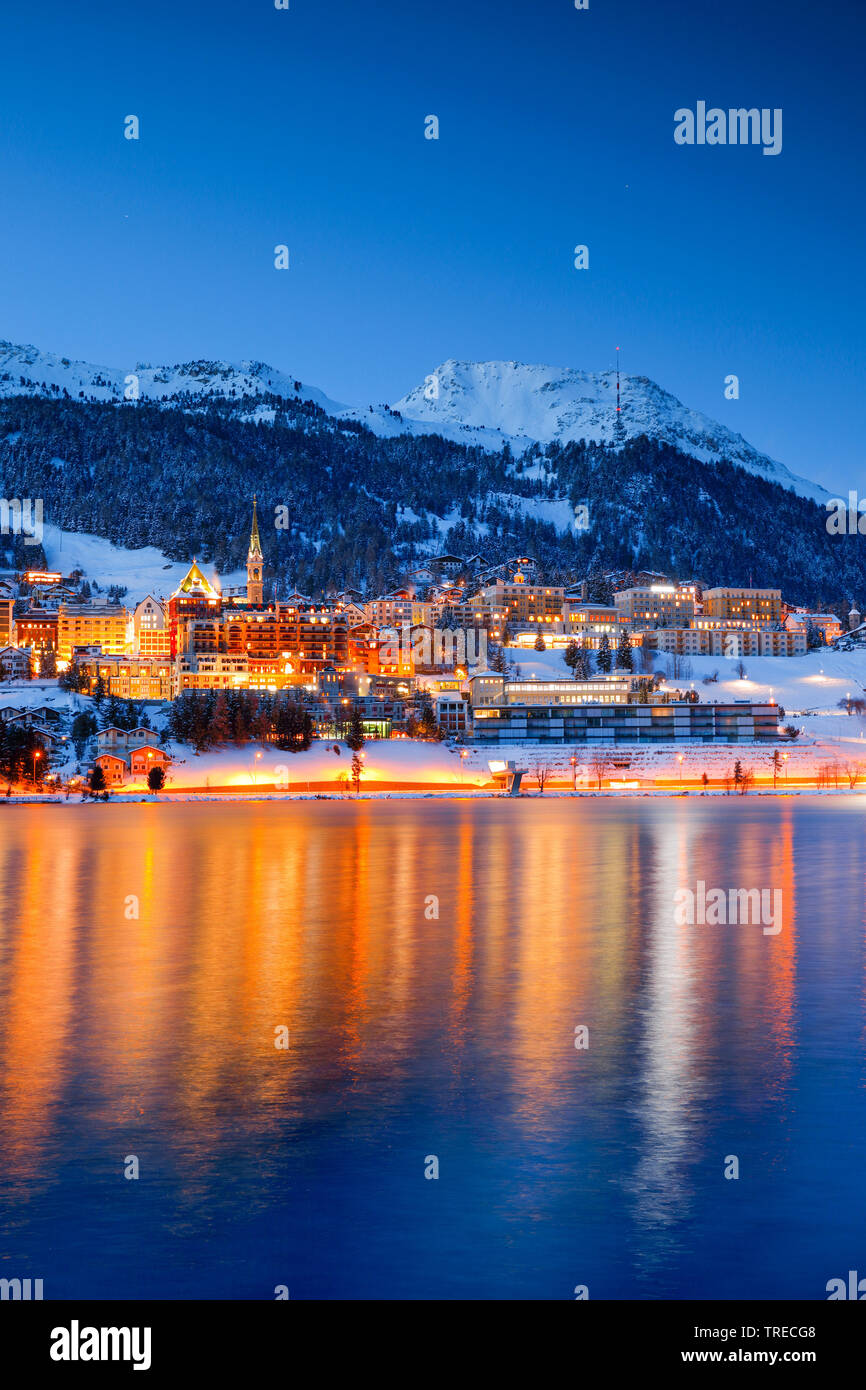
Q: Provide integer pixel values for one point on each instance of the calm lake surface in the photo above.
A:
(412, 1037)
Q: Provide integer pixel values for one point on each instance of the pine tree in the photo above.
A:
(156, 778)
(540, 644)
(221, 729)
(583, 665)
(47, 662)
(604, 654)
(624, 659)
(571, 654)
(357, 770)
(355, 737)
(97, 779)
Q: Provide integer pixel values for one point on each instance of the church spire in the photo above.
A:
(255, 550)
(255, 565)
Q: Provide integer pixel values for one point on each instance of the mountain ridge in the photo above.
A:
(482, 404)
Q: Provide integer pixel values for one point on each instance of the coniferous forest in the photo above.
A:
(359, 511)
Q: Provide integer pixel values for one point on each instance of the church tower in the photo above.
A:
(255, 565)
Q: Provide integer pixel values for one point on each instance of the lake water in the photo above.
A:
(412, 1037)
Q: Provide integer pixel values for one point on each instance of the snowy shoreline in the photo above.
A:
(460, 794)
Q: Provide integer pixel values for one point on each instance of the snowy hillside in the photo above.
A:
(29, 372)
(528, 404)
(140, 572)
(480, 403)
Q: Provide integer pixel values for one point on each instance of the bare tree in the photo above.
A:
(541, 772)
(853, 771)
(679, 667)
(600, 763)
(747, 780)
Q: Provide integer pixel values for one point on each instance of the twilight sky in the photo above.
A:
(306, 127)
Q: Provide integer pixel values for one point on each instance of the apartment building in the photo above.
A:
(37, 629)
(656, 605)
(129, 677)
(731, 642)
(7, 632)
(210, 671)
(148, 633)
(762, 607)
(91, 624)
(827, 624)
(585, 622)
(515, 601)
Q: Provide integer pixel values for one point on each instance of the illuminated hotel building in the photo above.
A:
(759, 606)
(657, 605)
(515, 601)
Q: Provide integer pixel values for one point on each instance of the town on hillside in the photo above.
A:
(481, 658)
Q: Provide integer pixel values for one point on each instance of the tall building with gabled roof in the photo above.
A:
(194, 597)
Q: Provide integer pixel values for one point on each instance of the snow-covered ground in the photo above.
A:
(385, 761)
(142, 572)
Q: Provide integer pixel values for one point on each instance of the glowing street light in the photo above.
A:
(680, 761)
(36, 754)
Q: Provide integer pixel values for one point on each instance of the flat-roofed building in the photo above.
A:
(91, 624)
(7, 631)
(516, 601)
(611, 724)
(489, 689)
(731, 642)
(130, 677)
(656, 605)
(585, 622)
(760, 606)
(38, 629)
(210, 671)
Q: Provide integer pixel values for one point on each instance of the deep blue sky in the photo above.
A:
(306, 127)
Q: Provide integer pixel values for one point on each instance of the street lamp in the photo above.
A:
(36, 754)
(573, 761)
(464, 753)
(680, 761)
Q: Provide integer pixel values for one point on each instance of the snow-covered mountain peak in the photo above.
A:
(529, 402)
(477, 403)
